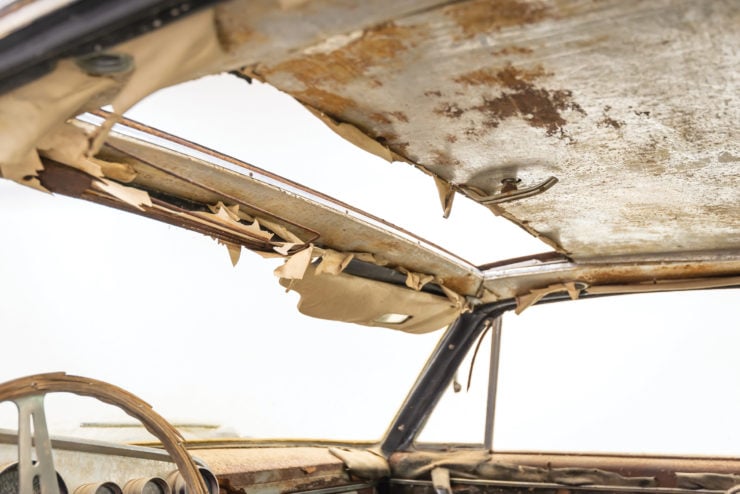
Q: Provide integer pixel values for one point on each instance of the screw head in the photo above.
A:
(105, 63)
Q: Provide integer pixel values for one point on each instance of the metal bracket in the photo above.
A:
(513, 195)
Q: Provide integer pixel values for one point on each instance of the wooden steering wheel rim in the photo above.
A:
(59, 382)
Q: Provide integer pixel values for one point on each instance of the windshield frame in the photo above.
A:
(445, 361)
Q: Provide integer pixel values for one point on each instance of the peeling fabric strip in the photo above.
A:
(296, 265)
(465, 464)
(355, 136)
(25, 173)
(229, 216)
(458, 300)
(416, 281)
(333, 262)
(711, 481)
(235, 251)
(364, 464)
(130, 195)
(193, 46)
(525, 301)
(446, 195)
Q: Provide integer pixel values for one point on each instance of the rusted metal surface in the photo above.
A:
(631, 105)
(468, 486)
(507, 281)
(275, 469)
(662, 468)
(255, 31)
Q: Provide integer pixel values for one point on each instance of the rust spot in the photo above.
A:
(329, 103)
(400, 148)
(460, 284)
(393, 142)
(449, 110)
(451, 138)
(509, 77)
(400, 116)
(513, 50)
(473, 132)
(378, 46)
(234, 30)
(483, 16)
(443, 158)
(608, 121)
(539, 107)
(380, 118)
(224, 483)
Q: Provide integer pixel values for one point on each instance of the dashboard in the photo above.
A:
(92, 467)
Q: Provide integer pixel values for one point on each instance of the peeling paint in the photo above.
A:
(331, 103)
(377, 46)
(449, 110)
(477, 16)
(334, 43)
(538, 107)
(608, 121)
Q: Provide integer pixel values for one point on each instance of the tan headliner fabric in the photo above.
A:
(347, 298)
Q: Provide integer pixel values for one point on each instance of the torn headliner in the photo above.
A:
(307, 214)
(631, 105)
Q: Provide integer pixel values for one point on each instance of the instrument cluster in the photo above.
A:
(91, 467)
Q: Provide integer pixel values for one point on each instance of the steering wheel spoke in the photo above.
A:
(33, 434)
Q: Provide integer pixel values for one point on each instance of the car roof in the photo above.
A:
(608, 130)
(622, 116)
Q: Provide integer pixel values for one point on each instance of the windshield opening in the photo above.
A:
(634, 374)
(269, 129)
(161, 312)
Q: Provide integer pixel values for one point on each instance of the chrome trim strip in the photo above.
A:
(123, 130)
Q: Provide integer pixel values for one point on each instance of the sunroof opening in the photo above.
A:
(258, 124)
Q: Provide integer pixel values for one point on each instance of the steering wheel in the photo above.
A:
(28, 395)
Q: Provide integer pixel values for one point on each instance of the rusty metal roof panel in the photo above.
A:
(606, 128)
(630, 105)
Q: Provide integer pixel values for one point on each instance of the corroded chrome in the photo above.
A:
(177, 483)
(99, 488)
(147, 486)
(513, 195)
